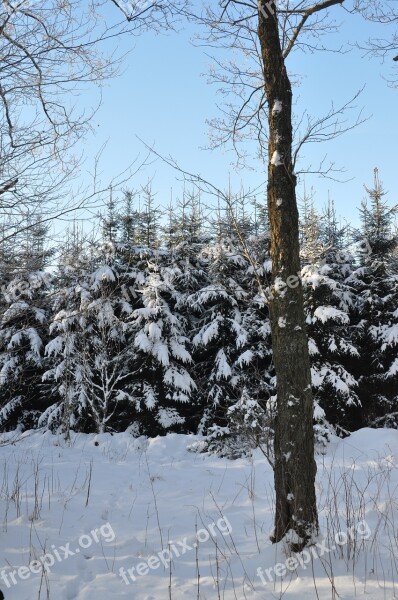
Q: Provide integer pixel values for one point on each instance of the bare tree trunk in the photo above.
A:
(295, 467)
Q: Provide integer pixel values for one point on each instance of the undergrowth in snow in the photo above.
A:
(189, 525)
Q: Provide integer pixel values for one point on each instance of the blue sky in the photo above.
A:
(163, 96)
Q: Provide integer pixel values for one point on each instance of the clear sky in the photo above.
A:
(163, 96)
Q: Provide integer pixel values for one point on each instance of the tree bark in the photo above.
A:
(295, 467)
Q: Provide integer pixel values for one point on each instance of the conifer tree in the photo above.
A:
(89, 349)
(23, 331)
(162, 387)
(376, 284)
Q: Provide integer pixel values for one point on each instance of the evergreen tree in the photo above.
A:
(376, 284)
(148, 218)
(332, 235)
(329, 305)
(110, 223)
(184, 221)
(230, 336)
(90, 349)
(23, 333)
(163, 387)
(312, 247)
(128, 219)
(377, 220)
(329, 302)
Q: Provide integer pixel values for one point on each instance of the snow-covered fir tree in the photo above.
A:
(90, 346)
(24, 330)
(232, 349)
(251, 418)
(329, 303)
(376, 285)
(163, 387)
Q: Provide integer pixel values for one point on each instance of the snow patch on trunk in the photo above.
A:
(276, 159)
(277, 108)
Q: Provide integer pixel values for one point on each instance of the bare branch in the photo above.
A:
(308, 12)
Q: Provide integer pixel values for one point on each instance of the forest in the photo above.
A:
(159, 321)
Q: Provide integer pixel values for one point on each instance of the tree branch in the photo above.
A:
(308, 12)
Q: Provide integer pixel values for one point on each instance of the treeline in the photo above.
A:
(163, 324)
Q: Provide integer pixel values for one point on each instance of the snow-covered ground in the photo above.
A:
(118, 517)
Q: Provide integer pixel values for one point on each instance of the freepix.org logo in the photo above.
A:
(58, 554)
(175, 550)
(300, 559)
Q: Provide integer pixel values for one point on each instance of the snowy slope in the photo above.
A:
(105, 503)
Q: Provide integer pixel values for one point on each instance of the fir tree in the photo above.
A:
(377, 219)
(110, 223)
(226, 356)
(163, 387)
(23, 333)
(90, 349)
(376, 283)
